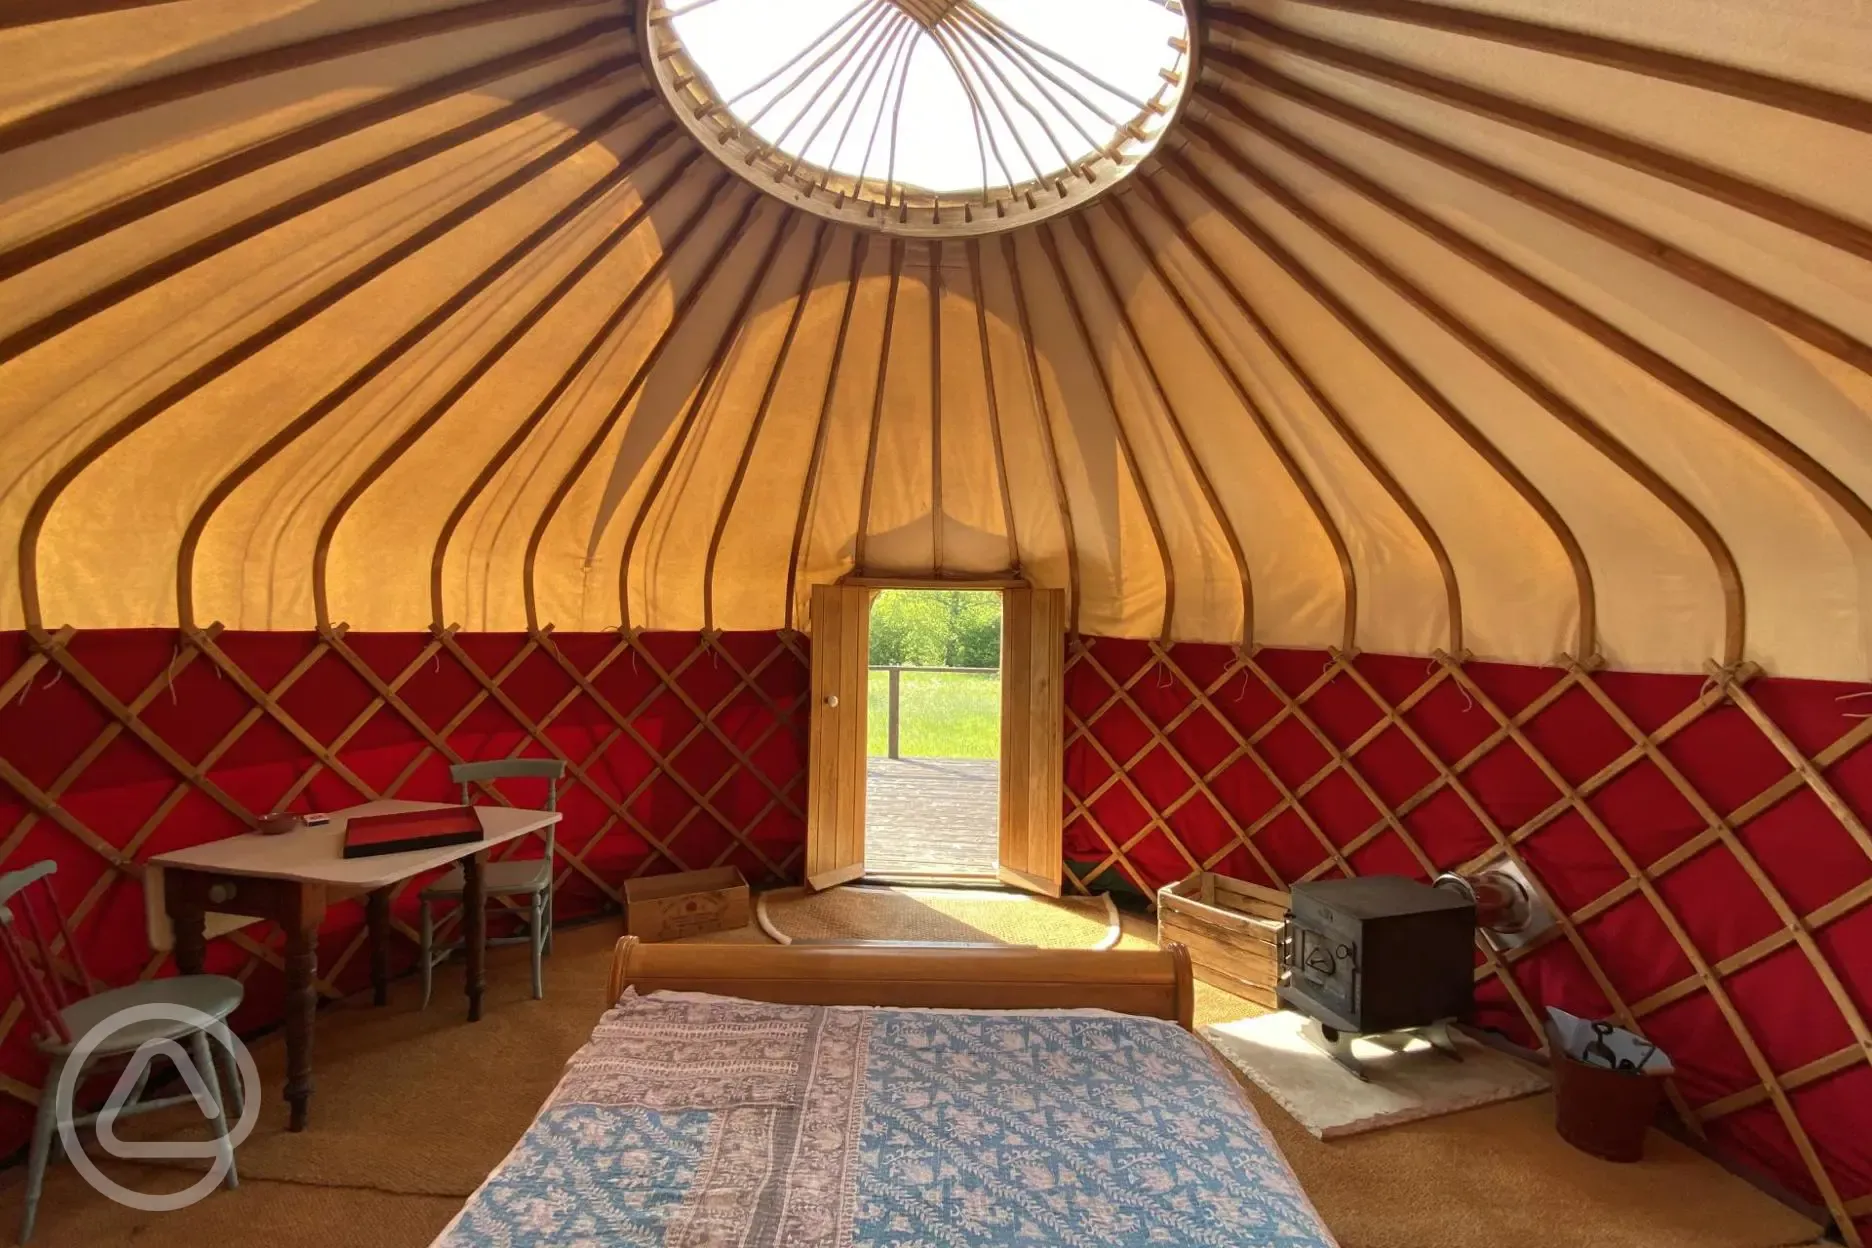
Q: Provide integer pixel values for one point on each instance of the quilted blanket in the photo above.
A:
(694, 1121)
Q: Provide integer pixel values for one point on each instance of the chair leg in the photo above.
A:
(44, 1125)
(427, 956)
(536, 939)
(234, 1097)
(549, 916)
(204, 1063)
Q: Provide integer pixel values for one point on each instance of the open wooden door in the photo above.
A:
(1033, 708)
(835, 779)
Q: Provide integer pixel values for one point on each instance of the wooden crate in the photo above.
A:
(1231, 929)
(665, 907)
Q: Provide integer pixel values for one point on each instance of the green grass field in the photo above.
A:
(943, 714)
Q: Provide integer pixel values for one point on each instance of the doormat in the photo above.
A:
(961, 916)
(1407, 1083)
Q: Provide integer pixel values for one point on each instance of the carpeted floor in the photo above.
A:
(412, 1108)
(948, 914)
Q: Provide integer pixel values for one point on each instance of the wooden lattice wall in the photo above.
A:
(1704, 842)
(683, 751)
(1705, 838)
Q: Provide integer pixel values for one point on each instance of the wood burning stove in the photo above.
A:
(1375, 955)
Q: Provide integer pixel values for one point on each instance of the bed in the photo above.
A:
(859, 1096)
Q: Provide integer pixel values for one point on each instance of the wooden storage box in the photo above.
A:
(1231, 929)
(665, 907)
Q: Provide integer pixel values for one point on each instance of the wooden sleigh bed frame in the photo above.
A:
(1150, 983)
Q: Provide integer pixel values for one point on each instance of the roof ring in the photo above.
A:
(925, 117)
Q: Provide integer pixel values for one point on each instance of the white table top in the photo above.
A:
(316, 855)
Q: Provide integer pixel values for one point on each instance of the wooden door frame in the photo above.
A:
(1000, 584)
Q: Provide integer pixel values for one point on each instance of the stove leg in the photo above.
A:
(1441, 1039)
(1336, 1045)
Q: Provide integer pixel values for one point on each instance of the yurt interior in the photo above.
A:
(973, 623)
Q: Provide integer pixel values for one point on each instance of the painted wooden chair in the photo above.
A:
(62, 1018)
(530, 878)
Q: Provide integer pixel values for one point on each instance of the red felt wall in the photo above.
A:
(696, 745)
(1183, 758)
(1175, 758)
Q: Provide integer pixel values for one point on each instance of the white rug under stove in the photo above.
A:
(1405, 1084)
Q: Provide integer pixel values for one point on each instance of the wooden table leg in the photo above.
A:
(190, 924)
(302, 927)
(474, 929)
(377, 918)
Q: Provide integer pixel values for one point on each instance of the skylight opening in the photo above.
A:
(925, 112)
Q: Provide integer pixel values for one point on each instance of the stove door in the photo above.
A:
(1325, 967)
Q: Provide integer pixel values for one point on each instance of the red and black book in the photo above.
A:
(368, 835)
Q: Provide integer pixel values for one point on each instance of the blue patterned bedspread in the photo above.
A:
(691, 1121)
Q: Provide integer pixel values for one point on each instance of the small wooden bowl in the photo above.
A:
(277, 822)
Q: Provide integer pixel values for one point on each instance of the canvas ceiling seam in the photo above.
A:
(1245, 632)
(1334, 416)
(1798, 215)
(731, 333)
(1658, 367)
(1049, 246)
(679, 315)
(523, 430)
(997, 444)
(1301, 481)
(279, 148)
(1043, 420)
(377, 365)
(549, 230)
(1648, 60)
(1503, 361)
(89, 110)
(809, 486)
(151, 273)
(821, 240)
(251, 345)
(1644, 245)
(1587, 637)
(868, 482)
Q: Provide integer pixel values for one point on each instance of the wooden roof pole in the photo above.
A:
(1050, 246)
(732, 331)
(1245, 634)
(877, 408)
(1818, 223)
(216, 173)
(735, 231)
(270, 333)
(1587, 635)
(1342, 554)
(644, 286)
(1044, 419)
(1335, 418)
(1658, 366)
(821, 236)
(1648, 247)
(335, 398)
(1728, 575)
(994, 403)
(809, 489)
(1820, 103)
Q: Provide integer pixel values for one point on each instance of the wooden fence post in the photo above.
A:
(896, 705)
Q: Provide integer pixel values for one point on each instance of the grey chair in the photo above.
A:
(530, 878)
(62, 1018)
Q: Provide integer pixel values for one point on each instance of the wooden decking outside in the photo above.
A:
(932, 816)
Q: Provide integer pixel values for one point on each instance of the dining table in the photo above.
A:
(290, 878)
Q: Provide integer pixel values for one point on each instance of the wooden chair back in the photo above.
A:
(27, 942)
(551, 770)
